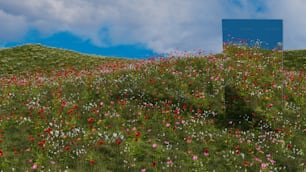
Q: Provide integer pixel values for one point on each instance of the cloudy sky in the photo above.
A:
(140, 28)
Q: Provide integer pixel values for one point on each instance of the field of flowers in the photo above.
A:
(241, 111)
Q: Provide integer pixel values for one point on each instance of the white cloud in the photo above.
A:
(12, 27)
(159, 24)
(292, 12)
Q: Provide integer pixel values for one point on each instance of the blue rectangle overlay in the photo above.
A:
(262, 33)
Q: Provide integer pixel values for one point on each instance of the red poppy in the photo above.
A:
(206, 152)
(237, 152)
(41, 110)
(118, 141)
(137, 134)
(289, 146)
(70, 111)
(92, 162)
(100, 142)
(153, 163)
(246, 163)
(67, 148)
(48, 130)
(1, 153)
(169, 102)
(270, 105)
(41, 143)
(31, 138)
(90, 120)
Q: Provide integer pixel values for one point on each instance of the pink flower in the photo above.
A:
(34, 167)
(195, 157)
(272, 161)
(257, 159)
(143, 170)
(206, 152)
(169, 161)
(263, 165)
(188, 140)
(154, 145)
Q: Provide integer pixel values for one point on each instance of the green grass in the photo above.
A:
(76, 112)
(35, 57)
(295, 59)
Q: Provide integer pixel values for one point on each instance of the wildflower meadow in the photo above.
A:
(243, 110)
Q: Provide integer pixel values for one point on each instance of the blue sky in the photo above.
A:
(140, 28)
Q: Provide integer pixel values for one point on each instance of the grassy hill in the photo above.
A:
(35, 57)
(203, 113)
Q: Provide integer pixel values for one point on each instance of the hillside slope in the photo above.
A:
(35, 57)
(203, 113)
